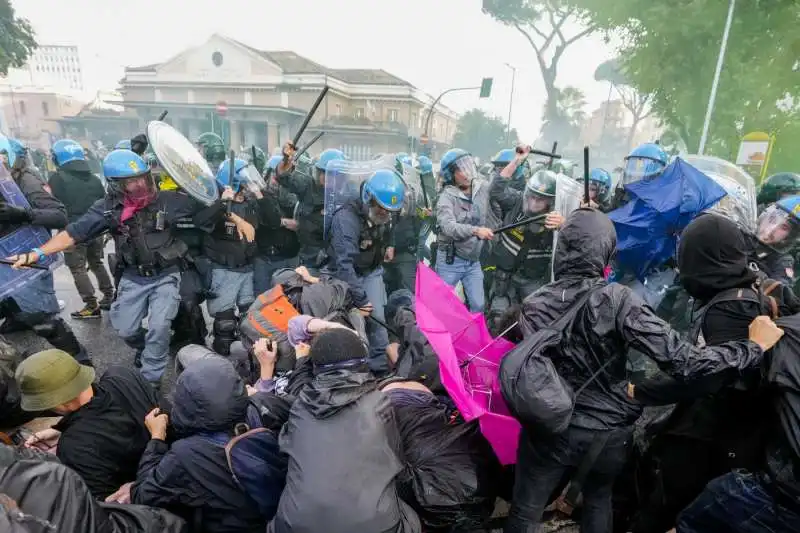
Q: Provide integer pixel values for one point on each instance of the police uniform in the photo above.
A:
(278, 247)
(151, 256)
(35, 305)
(310, 215)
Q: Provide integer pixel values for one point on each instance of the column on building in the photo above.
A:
(236, 137)
(273, 137)
(249, 134)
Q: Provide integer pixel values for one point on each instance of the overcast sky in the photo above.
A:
(433, 44)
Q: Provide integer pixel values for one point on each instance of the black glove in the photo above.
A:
(139, 144)
(14, 215)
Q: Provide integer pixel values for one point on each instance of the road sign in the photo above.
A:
(423, 139)
(486, 87)
(222, 109)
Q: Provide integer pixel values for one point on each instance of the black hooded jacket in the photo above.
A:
(613, 321)
(191, 477)
(344, 453)
(74, 185)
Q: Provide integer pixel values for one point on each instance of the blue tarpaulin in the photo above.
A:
(649, 225)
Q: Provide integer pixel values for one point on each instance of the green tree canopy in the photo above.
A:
(669, 52)
(482, 135)
(17, 38)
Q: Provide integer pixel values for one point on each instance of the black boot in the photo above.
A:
(225, 331)
(59, 334)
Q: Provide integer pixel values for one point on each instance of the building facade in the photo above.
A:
(32, 114)
(255, 97)
(50, 67)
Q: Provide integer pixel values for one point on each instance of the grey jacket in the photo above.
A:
(458, 215)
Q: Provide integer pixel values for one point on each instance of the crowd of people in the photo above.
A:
(314, 402)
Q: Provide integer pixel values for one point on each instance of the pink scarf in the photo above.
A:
(131, 206)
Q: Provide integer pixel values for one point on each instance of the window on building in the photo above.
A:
(338, 110)
(45, 109)
(22, 108)
(359, 112)
(393, 115)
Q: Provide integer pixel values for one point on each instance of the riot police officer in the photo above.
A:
(461, 215)
(522, 255)
(777, 232)
(34, 305)
(77, 188)
(600, 185)
(360, 236)
(124, 144)
(310, 193)
(276, 235)
(212, 148)
(502, 159)
(231, 254)
(777, 187)
(400, 267)
(141, 219)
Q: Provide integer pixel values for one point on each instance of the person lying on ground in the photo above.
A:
(102, 434)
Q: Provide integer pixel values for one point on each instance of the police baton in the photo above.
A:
(552, 155)
(230, 182)
(586, 175)
(383, 324)
(33, 266)
(162, 116)
(523, 222)
(309, 116)
(305, 148)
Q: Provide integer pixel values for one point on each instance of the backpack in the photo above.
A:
(257, 465)
(535, 393)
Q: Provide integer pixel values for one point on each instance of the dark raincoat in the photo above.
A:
(192, 477)
(344, 457)
(48, 492)
(613, 321)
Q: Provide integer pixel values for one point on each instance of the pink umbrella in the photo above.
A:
(469, 361)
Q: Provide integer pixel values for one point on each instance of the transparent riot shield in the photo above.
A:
(569, 194)
(413, 201)
(740, 203)
(343, 179)
(252, 179)
(181, 160)
(15, 240)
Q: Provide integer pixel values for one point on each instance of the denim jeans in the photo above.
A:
(738, 502)
(377, 335)
(542, 462)
(264, 267)
(469, 273)
(231, 289)
(157, 300)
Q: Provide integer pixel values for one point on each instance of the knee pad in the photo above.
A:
(225, 331)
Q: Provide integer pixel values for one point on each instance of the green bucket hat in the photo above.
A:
(50, 378)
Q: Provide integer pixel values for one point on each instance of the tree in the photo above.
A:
(669, 51)
(636, 102)
(17, 38)
(570, 115)
(482, 135)
(544, 25)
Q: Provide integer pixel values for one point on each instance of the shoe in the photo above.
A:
(86, 313)
(137, 360)
(105, 303)
(61, 305)
(12, 326)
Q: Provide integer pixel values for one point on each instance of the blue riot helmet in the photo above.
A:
(779, 225)
(17, 150)
(457, 162)
(644, 162)
(424, 165)
(224, 174)
(600, 185)
(402, 159)
(128, 175)
(66, 151)
(331, 154)
(124, 144)
(273, 162)
(506, 156)
(383, 190)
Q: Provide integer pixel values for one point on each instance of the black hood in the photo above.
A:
(79, 169)
(209, 396)
(586, 244)
(332, 391)
(713, 256)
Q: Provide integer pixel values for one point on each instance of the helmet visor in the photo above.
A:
(777, 228)
(137, 189)
(641, 168)
(536, 204)
(464, 170)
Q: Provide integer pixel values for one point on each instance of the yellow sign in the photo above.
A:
(754, 153)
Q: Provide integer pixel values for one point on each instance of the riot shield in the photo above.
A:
(740, 203)
(253, 180)
(184, 164)
(343, 179)
(413, 200)
(569, 194)
(19, 240)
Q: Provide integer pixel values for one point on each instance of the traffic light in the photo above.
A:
(486, 87)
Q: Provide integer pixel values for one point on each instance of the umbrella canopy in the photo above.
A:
(469, 361)
(649, 225)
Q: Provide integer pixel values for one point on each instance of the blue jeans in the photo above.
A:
(738, 502)
(231, 289)
(265, 266)
(377, 335)
(158, 300)
(469, 273)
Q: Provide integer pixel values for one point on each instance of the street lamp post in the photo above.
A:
(485, 88)
(510, 102)
(715, 85)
